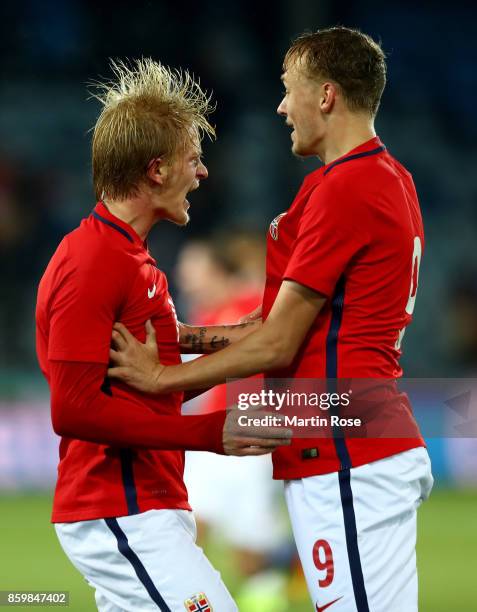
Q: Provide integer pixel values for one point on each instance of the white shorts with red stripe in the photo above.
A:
(147, 561)
(355, 532)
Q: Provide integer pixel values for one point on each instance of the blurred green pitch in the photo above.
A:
(31, 558)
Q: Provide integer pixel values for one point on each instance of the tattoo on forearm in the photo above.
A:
(217, 342)
(197, 341)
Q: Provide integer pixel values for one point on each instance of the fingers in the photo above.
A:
(118, 340)
(252, 316)
(123, 331)
(117, 373)
(253, 451)
(151, 335)
(259, 432)
(150, 328)
(117, 358)
(254, 447)
(270, 432)
(264, 443)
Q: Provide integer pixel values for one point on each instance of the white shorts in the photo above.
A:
(355, 532)
(147, 561)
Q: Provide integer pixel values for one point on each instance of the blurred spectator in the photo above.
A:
(222, 279)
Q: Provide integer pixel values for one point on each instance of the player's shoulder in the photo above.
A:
(87, 249)
(366, 174)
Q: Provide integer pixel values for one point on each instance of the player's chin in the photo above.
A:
(299, 150)
(182, 217)
(296, 147)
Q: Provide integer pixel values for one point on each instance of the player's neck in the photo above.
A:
(347, 134)
(135, 211)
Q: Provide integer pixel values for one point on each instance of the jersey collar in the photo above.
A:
(101, 213)
(370, 147)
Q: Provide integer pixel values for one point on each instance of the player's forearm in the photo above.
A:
(260, 351)
(212, 338)
(118, 423)
(83, 412)
(273, 346)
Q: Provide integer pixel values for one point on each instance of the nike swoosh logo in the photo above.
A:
(326, 606)
(151, 292)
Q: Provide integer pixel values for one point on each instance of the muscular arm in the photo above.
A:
(272, 346)
(81, 410)
(212, 338)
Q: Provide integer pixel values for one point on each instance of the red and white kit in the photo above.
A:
(121, 457)
(354, 234)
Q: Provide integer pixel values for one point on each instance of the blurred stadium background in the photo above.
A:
(50, 50)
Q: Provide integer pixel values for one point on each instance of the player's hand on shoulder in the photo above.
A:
(133, 362)
(244, 439)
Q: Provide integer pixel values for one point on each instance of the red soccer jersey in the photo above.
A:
(102, 273)
(354, 234)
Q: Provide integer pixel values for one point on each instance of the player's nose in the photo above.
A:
(202, 172)
(282, 108)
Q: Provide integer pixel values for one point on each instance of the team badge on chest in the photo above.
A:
(274, 226)
(198, 603)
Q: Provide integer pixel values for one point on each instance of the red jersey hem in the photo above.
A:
(323, 288)
(100, 512)
(328, 466)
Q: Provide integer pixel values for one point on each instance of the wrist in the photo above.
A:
(159, 379)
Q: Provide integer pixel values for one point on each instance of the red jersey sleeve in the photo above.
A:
(81, 410)
(83, 306)
(332, 229)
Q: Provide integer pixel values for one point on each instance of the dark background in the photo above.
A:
(50, 50)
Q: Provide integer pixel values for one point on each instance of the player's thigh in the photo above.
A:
(145, 562)
(386, 495)
(315, 510)
(356, 531)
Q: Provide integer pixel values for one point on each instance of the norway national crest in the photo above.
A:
(274, 226)
(198, 603)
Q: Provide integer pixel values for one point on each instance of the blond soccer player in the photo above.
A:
(120, 508)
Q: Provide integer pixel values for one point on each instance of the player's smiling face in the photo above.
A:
(301, 108)
(183, 176)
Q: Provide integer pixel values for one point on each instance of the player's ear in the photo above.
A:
(327, 96)
(157, 170)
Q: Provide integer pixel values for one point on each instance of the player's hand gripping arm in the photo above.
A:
(273, 346)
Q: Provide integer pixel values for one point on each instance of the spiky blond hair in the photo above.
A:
(149, 111)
